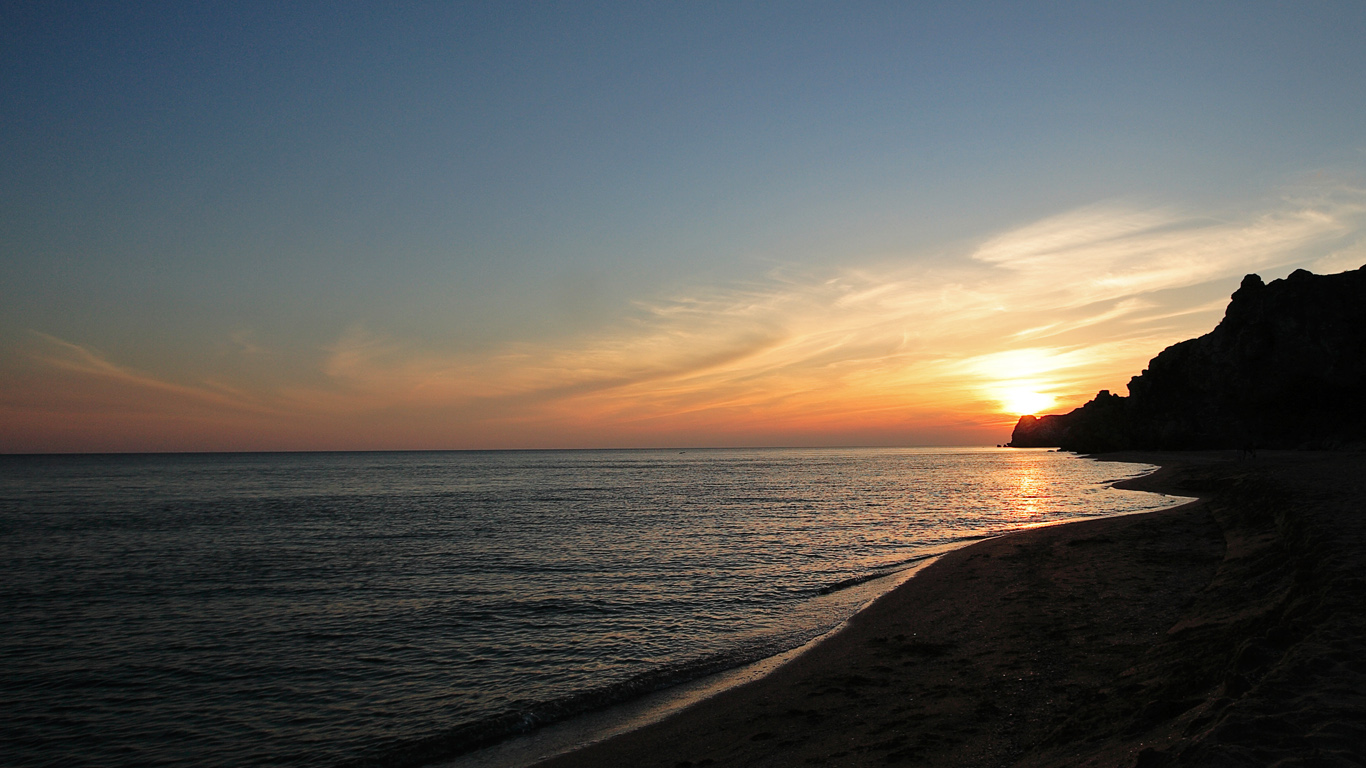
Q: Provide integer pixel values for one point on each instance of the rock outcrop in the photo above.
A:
(1285, 368)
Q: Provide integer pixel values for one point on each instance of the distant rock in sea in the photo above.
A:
(1285, 368)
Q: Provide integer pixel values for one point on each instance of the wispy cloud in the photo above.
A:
(74, 358)
(879, 337)
(1103, 253)
(245, 343)
(1352, 256)
(1061, 306)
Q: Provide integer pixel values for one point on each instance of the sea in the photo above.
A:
(401, 608)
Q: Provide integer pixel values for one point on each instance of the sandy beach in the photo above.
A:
(1227, 631)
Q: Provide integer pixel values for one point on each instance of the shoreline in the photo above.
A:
(623, 717)
(1022, 649)
(585, 730)
(588, 728)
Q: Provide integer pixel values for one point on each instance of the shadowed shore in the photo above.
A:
(1228, 631)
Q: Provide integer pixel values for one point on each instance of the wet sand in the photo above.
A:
(1228, 631)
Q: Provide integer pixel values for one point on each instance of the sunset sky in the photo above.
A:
(297, 226)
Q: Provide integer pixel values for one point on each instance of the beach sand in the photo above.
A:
(1228, 631)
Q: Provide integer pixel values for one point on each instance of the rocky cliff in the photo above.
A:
(1285, 368)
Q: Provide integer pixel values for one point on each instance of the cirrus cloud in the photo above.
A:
(893, 352)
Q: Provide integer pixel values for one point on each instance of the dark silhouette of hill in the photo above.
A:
(1285, 368)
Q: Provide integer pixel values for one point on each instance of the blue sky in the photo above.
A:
(226, 200)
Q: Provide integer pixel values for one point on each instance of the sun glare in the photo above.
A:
(1023, 402)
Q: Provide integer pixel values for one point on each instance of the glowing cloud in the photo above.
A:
(1033, 319)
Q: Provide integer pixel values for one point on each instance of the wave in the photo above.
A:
(486, 732)
(886, 570)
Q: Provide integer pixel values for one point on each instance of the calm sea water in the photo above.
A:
(320, 609)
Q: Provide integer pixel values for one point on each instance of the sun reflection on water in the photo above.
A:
(1029, 491)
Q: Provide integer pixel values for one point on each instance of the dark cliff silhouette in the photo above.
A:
(1285, 368)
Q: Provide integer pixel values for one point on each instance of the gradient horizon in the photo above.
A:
(593, 225)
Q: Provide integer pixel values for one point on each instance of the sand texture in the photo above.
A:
(1227, 632)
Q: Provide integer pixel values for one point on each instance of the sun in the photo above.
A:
(1020, 401)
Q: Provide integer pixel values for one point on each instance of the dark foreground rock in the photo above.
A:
(1286, 368)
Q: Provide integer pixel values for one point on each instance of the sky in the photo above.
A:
(356, 226)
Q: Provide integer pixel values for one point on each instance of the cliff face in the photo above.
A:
(1285, 368)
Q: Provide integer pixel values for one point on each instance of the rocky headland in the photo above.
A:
(1285, 368)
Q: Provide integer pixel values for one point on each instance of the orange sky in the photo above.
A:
(895, 351)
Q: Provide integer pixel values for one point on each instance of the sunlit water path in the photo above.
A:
(313, 609)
